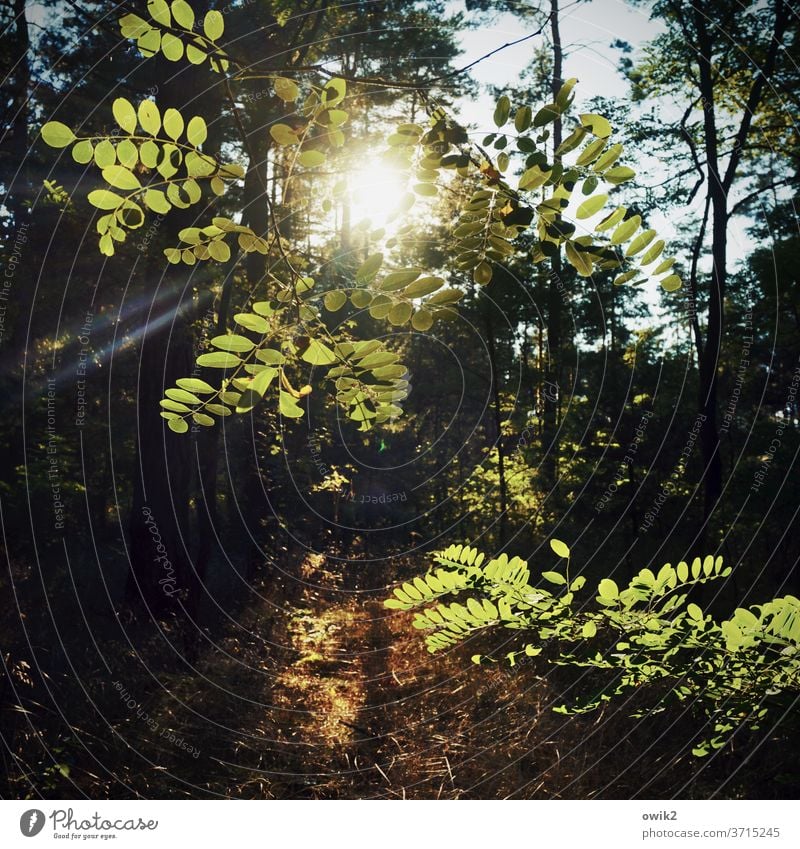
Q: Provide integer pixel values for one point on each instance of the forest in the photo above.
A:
(400, 399)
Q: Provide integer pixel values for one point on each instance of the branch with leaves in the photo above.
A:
(645, 634)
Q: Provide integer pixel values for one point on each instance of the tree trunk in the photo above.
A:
(498, 420)
(554, 295)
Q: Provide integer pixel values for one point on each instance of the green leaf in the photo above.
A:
(124, 114)
(502, 110)
(159, 12)
(608, 589)
(105, 154)
(653, 253)
(334, 300)
(83, 152)
(104, 199)
(157, 201)
(178, 425)
(193, 384)
(318, 354)
(195, 55)
(334, 92)
(219, 250)
(596, 124)
(626, 230)
(121, 178)
(624, 278)
(554, 578)
(560, 548)
(369, 268)
(311, 158)
(620, 174)
(400, 314)
(522, 120)
(286, 89)
(218, 359)
(482, 274)
(423, 286)
(337, 117)
(640, 242)
(179, 407)
(183, 14)
(283, 134)
(579, 260)
(260, 383)
(591, 206)
(182, 395)
(590, 152)
(196, 131)
(149, 117)
(608, 158)
(422, 320)
(589, 630)
(57, 134)
(232, 342)
(663, 266)
(173, 123)
(203, 419)
(427, 190)
(533, 178)
(694, 612)
(213, 25)
(288, 406)
(671, 283)
(612, 219)
(127, 153)
(252, 322)
(546, 114)
(399, 279)
(563, 97)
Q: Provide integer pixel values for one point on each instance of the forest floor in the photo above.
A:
(314, 690)
(330, 696)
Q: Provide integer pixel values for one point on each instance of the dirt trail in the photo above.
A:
(378, 716)
(317, 692)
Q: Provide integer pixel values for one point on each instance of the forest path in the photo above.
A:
(317, 691)
(366, 712)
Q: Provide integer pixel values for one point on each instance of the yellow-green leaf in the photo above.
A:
(283, 134)
(121, 178)
(183, 14)
(213, 25)
(57, 134)
(232, 342)
(591, 206)
(671, 283)
(173, 123)
(196, 131)
(626, 230)
(289, 407)
(640, 242)
(149, 117)
(580, 261)
(311, 158)
(286, 89)
(596, 124)
(124, 114)
(318, 354)
(104, 199)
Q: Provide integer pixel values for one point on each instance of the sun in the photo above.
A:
(375, 190)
